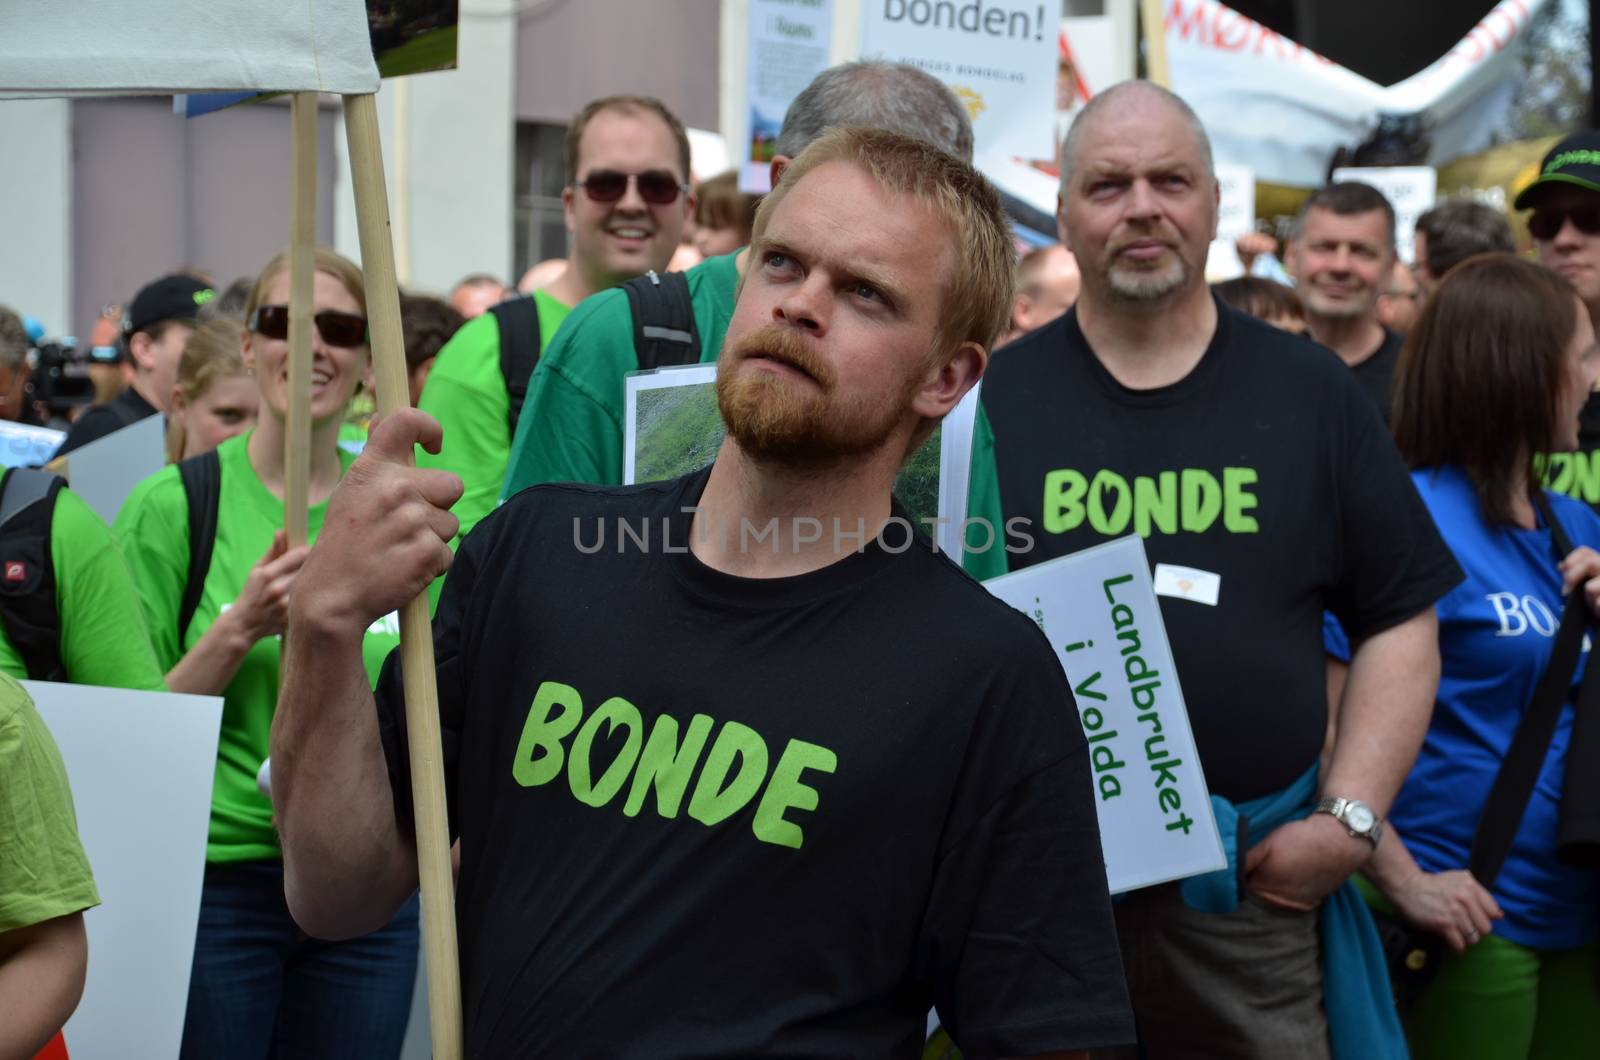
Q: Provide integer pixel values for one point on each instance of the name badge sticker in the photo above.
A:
(1188, 583)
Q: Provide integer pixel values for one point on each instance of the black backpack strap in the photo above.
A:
(202, 487)
(518, 319)
(1524, 760)
(664, 331)
(28, 609)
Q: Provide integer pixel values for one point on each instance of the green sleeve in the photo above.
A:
(44, 873)
(571, 425)
(104, 636)
(466, 393)
(983, 502)
(153, 529)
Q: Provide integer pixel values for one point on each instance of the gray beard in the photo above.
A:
(1148, 288)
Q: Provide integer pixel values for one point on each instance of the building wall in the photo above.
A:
(36, 212)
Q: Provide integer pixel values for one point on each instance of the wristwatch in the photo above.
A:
(1357, 817)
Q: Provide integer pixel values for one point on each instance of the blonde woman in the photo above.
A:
(259, 987)
(214, 397)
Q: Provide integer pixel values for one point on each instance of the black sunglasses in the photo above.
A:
(336, 328)
(1544, 224)
(656, 186)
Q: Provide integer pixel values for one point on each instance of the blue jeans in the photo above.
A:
(261, 988)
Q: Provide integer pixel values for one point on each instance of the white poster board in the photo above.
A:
(998, 56)
(1236, 216)
(789, 42)
(1099, 611)
(23, 445)
(104, 471)
(114, 47)
(671, 426)
(140, 765)
(1410, 190)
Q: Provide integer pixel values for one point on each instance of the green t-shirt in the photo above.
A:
(103, 636)
(467, 394)
(43, 871)
(154, 528)
(571, 428)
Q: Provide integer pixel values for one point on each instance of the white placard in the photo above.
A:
(1409, 189)
(789, 41)
(672, 426)
(1101, 615)
(140, 765)
(104, 471)
(1236, 213)
(23, 445)
(998, 56)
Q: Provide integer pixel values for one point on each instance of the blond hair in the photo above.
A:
(977, 307)
(341, 268)
(211, 355)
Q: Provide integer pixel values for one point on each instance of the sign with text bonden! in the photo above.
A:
(1099, 612)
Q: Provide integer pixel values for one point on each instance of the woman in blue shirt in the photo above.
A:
(1495, 373)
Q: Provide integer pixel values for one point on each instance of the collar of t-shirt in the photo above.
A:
(134, 402)
(871, 556)
(1198, 377)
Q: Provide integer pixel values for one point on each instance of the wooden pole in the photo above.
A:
(302, 266)
(1155, 42)
(416, 641)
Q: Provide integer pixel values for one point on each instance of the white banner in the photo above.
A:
(1410, 190)
(103, 472)
(789, 41)
(161, 47)
(1279, 107)
(1099, 611)
(998, 56)
(140, 765)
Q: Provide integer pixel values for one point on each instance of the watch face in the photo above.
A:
(1359, 818)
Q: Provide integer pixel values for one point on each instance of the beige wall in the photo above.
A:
(572, 51)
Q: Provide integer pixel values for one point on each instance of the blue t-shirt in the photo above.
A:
(1496, 633)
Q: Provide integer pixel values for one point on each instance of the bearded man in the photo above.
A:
(775, 782)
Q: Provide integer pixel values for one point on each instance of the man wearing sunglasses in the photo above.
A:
(627, 199)
(1565, 225)
(571, 429)
(157, 325)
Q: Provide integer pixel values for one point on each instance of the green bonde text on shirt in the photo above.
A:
(664, 762)
(1190, 501)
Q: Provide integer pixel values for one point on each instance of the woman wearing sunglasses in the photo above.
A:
(259, 988)
(1494, 373)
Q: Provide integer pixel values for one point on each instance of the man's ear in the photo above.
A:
(139, 344)
(946, 384)
(566, 208)
(779, 164)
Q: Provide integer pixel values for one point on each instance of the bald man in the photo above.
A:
(1267, 491)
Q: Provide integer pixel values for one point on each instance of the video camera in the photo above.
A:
(60, 380)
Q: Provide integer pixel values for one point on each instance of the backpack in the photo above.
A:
(664, 332)
(27, 573)
(202, 488)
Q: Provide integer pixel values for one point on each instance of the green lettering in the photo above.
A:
(1586, 477)
(711, 801)
(1155, 500)
(1236, 500)
(1115, 521)
(667, 764)
(1558, 472)
(1201, 499)
(784, 791)
(540, 731)
(1170, 799)
(613, 712)
(1063, 500)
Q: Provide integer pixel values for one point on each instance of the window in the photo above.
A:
(541, 172)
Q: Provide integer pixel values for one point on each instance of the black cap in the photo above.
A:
(169, 298)
(1575, 160)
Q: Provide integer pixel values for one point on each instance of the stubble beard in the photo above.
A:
(1148, 285)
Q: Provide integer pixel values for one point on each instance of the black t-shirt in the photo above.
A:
(124, 410)
(1267, 467)
(1577, 474)
(710, 816)
(1376, 373)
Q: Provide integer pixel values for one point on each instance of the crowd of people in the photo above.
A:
(786, 799)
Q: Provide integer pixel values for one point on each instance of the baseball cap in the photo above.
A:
(1575, 160)
(169, 298)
